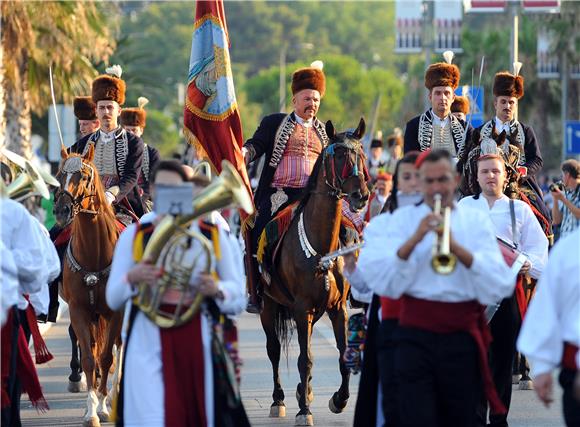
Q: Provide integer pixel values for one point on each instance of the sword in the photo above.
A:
(475, 99)
(62, 146)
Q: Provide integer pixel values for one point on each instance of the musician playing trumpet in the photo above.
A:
(168, 372)
(440, 356)
(514, 222)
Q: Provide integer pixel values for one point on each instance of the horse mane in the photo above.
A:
(100, 201)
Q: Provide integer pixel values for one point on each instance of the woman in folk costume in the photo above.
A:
(134, 120)
(437, 128)
(176, 376)
(376, 396)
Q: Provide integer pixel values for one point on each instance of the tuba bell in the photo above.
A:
(28, 183)
(443, 261)
(169, 248)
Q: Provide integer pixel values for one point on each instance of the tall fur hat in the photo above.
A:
(460, 105)
(109, 86)
(135, 116)
(309, 78)
(84, 108)
(443, 73)
(507, 84)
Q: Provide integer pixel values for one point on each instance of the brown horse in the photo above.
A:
(82, 202)
(300, 290)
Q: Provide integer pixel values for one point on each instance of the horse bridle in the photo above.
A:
(337, 180)
(71, 166)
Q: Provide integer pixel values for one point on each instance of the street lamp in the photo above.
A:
(282, 82)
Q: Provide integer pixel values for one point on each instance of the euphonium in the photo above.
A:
(28, 183)
(169, 248)
(443, 261)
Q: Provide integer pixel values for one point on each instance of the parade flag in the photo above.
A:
(409, 19)
(448, 16)
(211, 119)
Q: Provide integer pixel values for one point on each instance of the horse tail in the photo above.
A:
(284, 326)
(100, 336)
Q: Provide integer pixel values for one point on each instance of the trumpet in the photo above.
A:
(169, 247)
(443, 261)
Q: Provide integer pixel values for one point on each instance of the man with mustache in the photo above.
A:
(437, 128)
(508, 89)
(118, 153)
(291, 144)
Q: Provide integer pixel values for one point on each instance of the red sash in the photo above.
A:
(569, 356)
(183, 374)
(41, 352)
(390, 308)
(448, 317)
(25, 369)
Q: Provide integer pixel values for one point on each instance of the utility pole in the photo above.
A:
(564, 100)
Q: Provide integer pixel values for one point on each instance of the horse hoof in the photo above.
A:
(77, 386)
(304, 420)
(91, 422)
(526, 385)
(277, 411)
(103, 417)
(338, 406)
(516, 378)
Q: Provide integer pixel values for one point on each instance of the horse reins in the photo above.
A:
(70, 167)
(337, 180)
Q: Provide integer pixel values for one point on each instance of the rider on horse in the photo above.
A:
(291, 144)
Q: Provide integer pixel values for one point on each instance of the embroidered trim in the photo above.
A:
(277, 199)
(282, 135)
(121, 151)
(304, 243)
(284, 132)
(458, 133)
(145, 164)
(425, 133)
(516, 128)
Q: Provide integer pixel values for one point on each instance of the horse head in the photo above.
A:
(80, 187)
(344, 165)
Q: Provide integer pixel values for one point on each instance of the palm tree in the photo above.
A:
(69, 35)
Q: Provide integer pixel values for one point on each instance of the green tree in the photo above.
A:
(69, 35)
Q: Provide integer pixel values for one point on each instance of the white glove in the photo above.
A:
(110, 197)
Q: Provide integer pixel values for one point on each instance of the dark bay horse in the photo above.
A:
(300, 291)
(82, 202)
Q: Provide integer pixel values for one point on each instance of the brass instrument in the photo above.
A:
(443, 261)
(27, 183)
(29, 180)
(169, 248)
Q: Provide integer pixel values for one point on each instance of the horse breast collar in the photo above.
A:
(91, 278)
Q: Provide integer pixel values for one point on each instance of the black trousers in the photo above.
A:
(570, 405)
(386, 363)
(504, 327)
(438, 378)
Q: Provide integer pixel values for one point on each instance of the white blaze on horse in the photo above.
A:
(81, 202)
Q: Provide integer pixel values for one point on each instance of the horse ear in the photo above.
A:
(90, 155)
(63, 152)
(501, 138)
(330, 132)
(360, 130)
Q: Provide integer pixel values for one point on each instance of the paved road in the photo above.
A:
(67, 409)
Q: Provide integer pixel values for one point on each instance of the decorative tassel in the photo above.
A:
(41, 353)
(317, 64)
(114, 70)
(448, 56)
(517, 68)
(142, 102)
(261, 247)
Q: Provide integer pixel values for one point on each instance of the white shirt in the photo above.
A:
(501, 126)
(8, 282)
(437, 121)
(21, 236)
(553, 316)
(301, 121)
(530, 238)
(486, 281)
(144, 397)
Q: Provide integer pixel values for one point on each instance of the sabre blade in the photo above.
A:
(54, 107)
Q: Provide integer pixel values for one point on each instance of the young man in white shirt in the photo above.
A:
(442, 339)
(515, 223)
